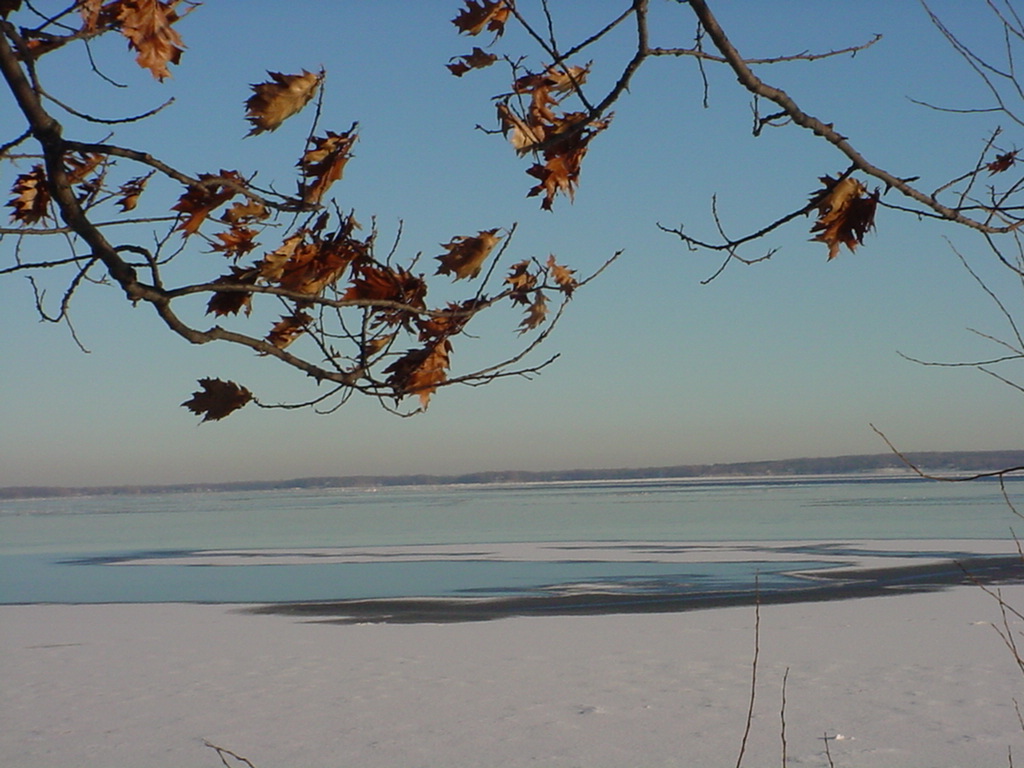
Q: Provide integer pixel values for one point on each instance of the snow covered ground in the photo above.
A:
(908, 680)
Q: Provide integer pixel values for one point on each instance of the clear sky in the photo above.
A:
(792, 357)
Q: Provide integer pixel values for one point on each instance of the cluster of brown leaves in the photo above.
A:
(527, 115)
(846, 212)
(30, 201)
(562, 138)
(148, 25)
(525, 280)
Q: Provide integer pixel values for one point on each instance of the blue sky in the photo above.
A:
(793, 357)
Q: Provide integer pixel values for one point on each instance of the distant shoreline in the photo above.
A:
(949, 463)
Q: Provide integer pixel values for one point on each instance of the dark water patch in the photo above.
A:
(832, 585)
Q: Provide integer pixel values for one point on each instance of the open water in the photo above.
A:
(652, 537)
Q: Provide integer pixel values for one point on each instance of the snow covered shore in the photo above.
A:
(908, 680)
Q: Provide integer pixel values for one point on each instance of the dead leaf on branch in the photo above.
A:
(324, 163)
(487, 14)
(522, 280)
(232, 302)
(536, 313)
(147, 25)
(131, 190)
(245, 213)
(217, 399)
(420, 371)
(452, 322)
(563, 276)
(199, 201)
(376, 282)
(1002, 162)
(561, 169)
(310, 266)
(282, 96)
(478, 59)
(466, 255)
(846, 213)
(31, 201)
(289, 328)
(236, 242)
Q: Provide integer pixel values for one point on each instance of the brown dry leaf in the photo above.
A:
(245, 213)
(325, 162)
(478, 59)
(79, 166)
(232, 302)
(466, 255)
(288, 329)
(91, 11)
(420, 371)
(147, 25)
(559, 173)
(451, 323)
(374, 345)
(1002, 162)
(563, 276)
(553, 80)
(309, 267)
(130, 191)
(488, 14)
(372, 282)
(199, 201)
(845, 213)
(275, 101)
(271, 268)
(236, 242)
(217, 399)
(521, 279)
(522, 135)
(535, 314)
(31, 201)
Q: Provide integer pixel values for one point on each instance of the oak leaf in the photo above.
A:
(1002, 162)
(31, 201)
(325, 162)
(563, 276)
(523, 282)
(131, 190)
(236, 242)
(536, 313)
(282, 96)
(217, 399)
(846, 213)
(522, 135)
(478, 59)
(488, 14)
(288, 328)
(199, 200)
(312, 267)
(466, 255)
(271, 268)
(232, 302)
(147, 25)
(245, 213)
(452, 321)
(420, 371)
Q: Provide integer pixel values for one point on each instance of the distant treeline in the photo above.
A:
(944, 462)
